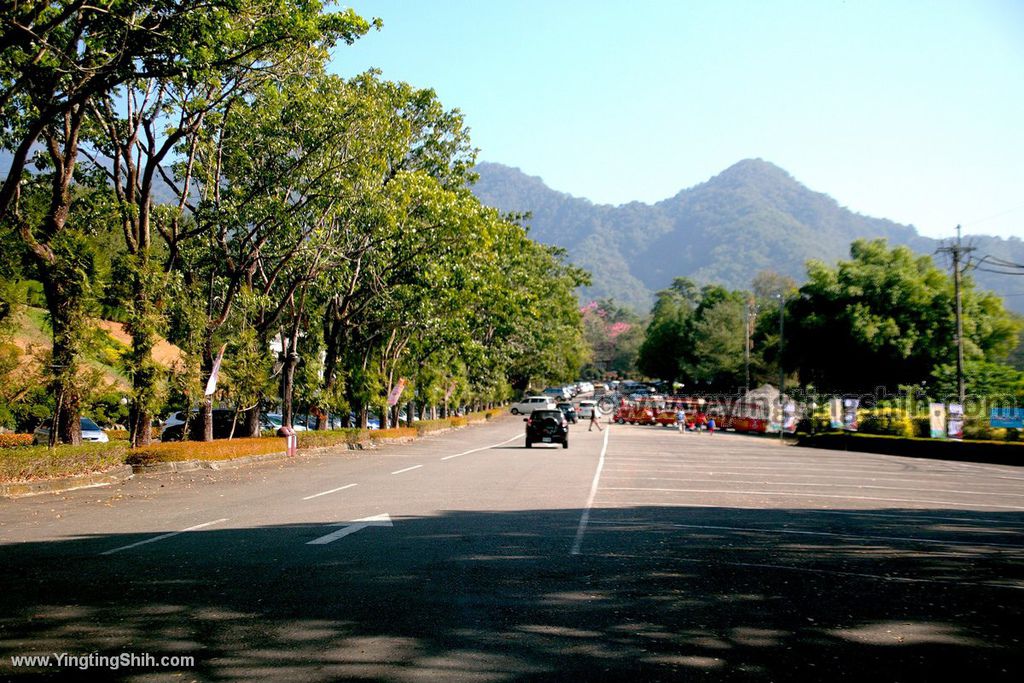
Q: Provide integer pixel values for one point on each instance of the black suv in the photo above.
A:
(568, 410)
(547, 426)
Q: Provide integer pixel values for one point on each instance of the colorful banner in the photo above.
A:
(937, 420)
(789, 420)
(211, 384)
(850, 406)
(1007, 418)
(835, 413)
(955, 424)
(396, 392)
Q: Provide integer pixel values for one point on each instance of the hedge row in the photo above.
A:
(29, 463)
(896, 422)
(33, 463)
(995, 452)
(15, 440)
(221, 449)
(324, 439)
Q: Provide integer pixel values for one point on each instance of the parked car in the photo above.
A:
(372, 421)
(175, 418)
(557, 393)
(547, 426)
(531, 403)
(568, 410)
(586, 409)
(223, 419)
(91, 432)
(275, 422)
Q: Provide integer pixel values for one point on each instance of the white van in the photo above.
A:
(532, 403)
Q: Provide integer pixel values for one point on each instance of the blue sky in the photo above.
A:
(907, 110)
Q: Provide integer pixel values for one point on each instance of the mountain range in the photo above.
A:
(751, 217)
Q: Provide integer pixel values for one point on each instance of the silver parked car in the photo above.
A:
(91, 432)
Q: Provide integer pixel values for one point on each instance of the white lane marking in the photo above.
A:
(912, 518)
(340, 488)
(828, 572)
(482, 448)
(163, 536)
(585, 517)
(352, 527)
(816, 495)
(823, 484)
(408, 469)
(831, 534)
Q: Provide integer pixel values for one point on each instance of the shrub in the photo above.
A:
(40, 462)
(813, 425)
(427, 426)
(117, 434)
(15, 440)
(979, 429)
(886, 421)
(334, 437)
(221, 449)
(394, 433)
(460, 421)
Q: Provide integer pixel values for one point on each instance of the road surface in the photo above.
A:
(637, 554)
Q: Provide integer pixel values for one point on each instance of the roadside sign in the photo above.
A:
(1007, 418)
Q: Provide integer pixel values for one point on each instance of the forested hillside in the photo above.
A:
(751, 217)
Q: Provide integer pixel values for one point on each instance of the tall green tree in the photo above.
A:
(666, 350)
(886, 318)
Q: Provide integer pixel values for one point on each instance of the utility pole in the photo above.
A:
(782, 369)
(746, 348)
(957, 251)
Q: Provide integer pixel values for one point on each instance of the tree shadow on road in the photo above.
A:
(655, 594)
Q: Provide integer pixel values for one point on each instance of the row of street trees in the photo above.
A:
(883, 318)
(258, 199)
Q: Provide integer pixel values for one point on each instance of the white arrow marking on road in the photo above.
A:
(352, 527)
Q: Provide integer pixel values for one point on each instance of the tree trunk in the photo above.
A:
(143, 386)
(251, 425)
(288, 388)
(62, 305)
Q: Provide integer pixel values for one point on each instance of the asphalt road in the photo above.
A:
(636, 554)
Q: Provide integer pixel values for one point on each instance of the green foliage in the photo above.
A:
(332, 213)
(614, 335)
(996, 383)
(665, 349)
(889, 421)
(696, 336)
(891, 313)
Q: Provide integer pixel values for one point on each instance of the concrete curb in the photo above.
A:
(125, 472)
(115, 475)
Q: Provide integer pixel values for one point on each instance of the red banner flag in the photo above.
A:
(396, 392)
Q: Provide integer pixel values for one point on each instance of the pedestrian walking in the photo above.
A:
(711, 425)
(594, 421)
(681, 420)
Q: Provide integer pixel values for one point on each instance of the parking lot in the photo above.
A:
(637, 554)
